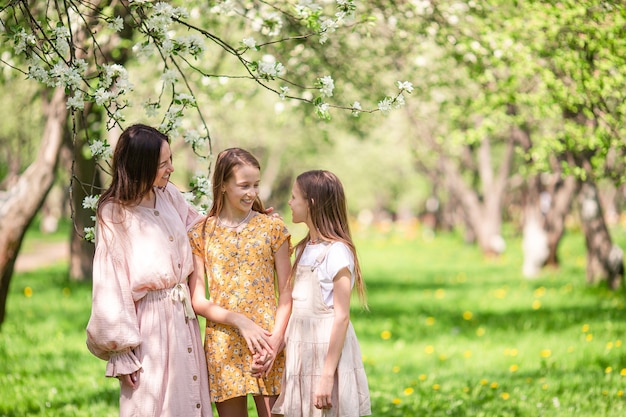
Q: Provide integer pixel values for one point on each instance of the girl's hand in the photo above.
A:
(322, 398)
(257, 338)
(130, 380)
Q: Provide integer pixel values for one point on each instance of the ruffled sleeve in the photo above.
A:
(113, 330)
(280, 234)
(189, 215)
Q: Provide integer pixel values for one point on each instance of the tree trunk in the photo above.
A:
(561, 193)
(20, 203)
(535, 236)
(605, 261)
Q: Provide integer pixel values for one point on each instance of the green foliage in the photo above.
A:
(448, 334)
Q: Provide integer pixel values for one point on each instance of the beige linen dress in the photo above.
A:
(141, 316)
(240, 266)
(307, 337)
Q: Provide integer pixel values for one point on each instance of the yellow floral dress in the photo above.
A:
(240, 275)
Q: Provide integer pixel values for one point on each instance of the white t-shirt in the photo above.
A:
(338, 257)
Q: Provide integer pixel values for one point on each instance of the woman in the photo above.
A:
(142, 321)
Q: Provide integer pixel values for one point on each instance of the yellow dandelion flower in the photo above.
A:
(494, 385)
(467, 315)
(408, 391)
(28, 292)
(466, 389)
(385, 335)
(429, 349)
(505, 396)
(546, 353)
(608, 370)
(467, 354)
(513, 368)
(609, 345)
(623, 372)
(536, 305)
(443, 357)
(422, 377)
(500, 293)
(618, 343)
(480, 331)
(436, 387)
(544, 387)
(440, 293)
(430, 321)
(513, 352)
(589, 337)
(396, 401)
(585, 328)
(605, 392)
(540, 292)
(483, 382)
(395, 369)
(620, 393)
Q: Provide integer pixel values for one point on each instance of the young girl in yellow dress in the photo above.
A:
(241, 255)
(324, 374)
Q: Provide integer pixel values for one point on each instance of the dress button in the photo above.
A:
(189, 350)
(156, 212)
(171, 238)
(197, 405)
(195, 377)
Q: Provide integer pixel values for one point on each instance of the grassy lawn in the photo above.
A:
(448, 333)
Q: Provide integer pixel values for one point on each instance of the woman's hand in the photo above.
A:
(322, 398)
(130, 380)
(257, 338)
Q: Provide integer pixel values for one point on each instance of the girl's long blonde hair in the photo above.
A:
(326, 201)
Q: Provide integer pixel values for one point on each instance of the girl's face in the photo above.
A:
(299, 205)
(165, 167)
(242, 189)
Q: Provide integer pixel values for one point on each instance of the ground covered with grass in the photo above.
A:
(448, 333)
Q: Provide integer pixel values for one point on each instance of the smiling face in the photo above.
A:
(165, 167)
(241, 189)
(299, 205)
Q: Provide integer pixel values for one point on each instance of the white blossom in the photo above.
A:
(170, 76)
(90, 202)
(23, 40)
(327, 86)
(102, 96)
(116, 24)
(270, 69)
(405, 86)
(322, 110)
(356, 108)
(100, 149)
(90, 233)
(284, 90)
(385, 105)
(77, 101)
(185, 98)
(250, 42)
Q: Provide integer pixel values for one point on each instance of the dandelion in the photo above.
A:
(494, 385)
(429, 349)
(395, 369)
(500, 293)
(609, 345)
(589, 337)
(546, 353)
(467, 315)
(618, 343)
(430, 321)
(536, 305)
(396, 401)
(623, 372)
(467, 354)
(544, 387)
(505, 396)
(440, 293)
(385, 335)
(513, 368)
(443, 357)
(28, 292)
(585, 328)
(540, 292)
(422, 377)
(408, 391)
(608, 370)
(480, 331)
(483, 382)
(620, 393)
(436, 387)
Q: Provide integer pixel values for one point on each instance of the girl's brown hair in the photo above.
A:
(328, 211)
(226, 162)
(135, 165)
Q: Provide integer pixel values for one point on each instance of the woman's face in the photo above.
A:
(299, 205)
(165, 167)
(241, 189)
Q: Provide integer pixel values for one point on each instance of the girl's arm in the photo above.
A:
(341, 299)
(282, 264)
(256, 337)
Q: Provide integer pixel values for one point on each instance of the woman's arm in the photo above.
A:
(341, 298)
(256, 337)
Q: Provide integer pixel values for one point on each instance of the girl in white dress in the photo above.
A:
(324, 374)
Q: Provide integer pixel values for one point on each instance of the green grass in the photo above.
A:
(448, 333)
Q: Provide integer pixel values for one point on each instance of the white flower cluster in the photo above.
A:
(101, 149)
(90, 202)
(327, 85)
(269, 69)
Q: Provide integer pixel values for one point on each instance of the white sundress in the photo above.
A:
(307, 336)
